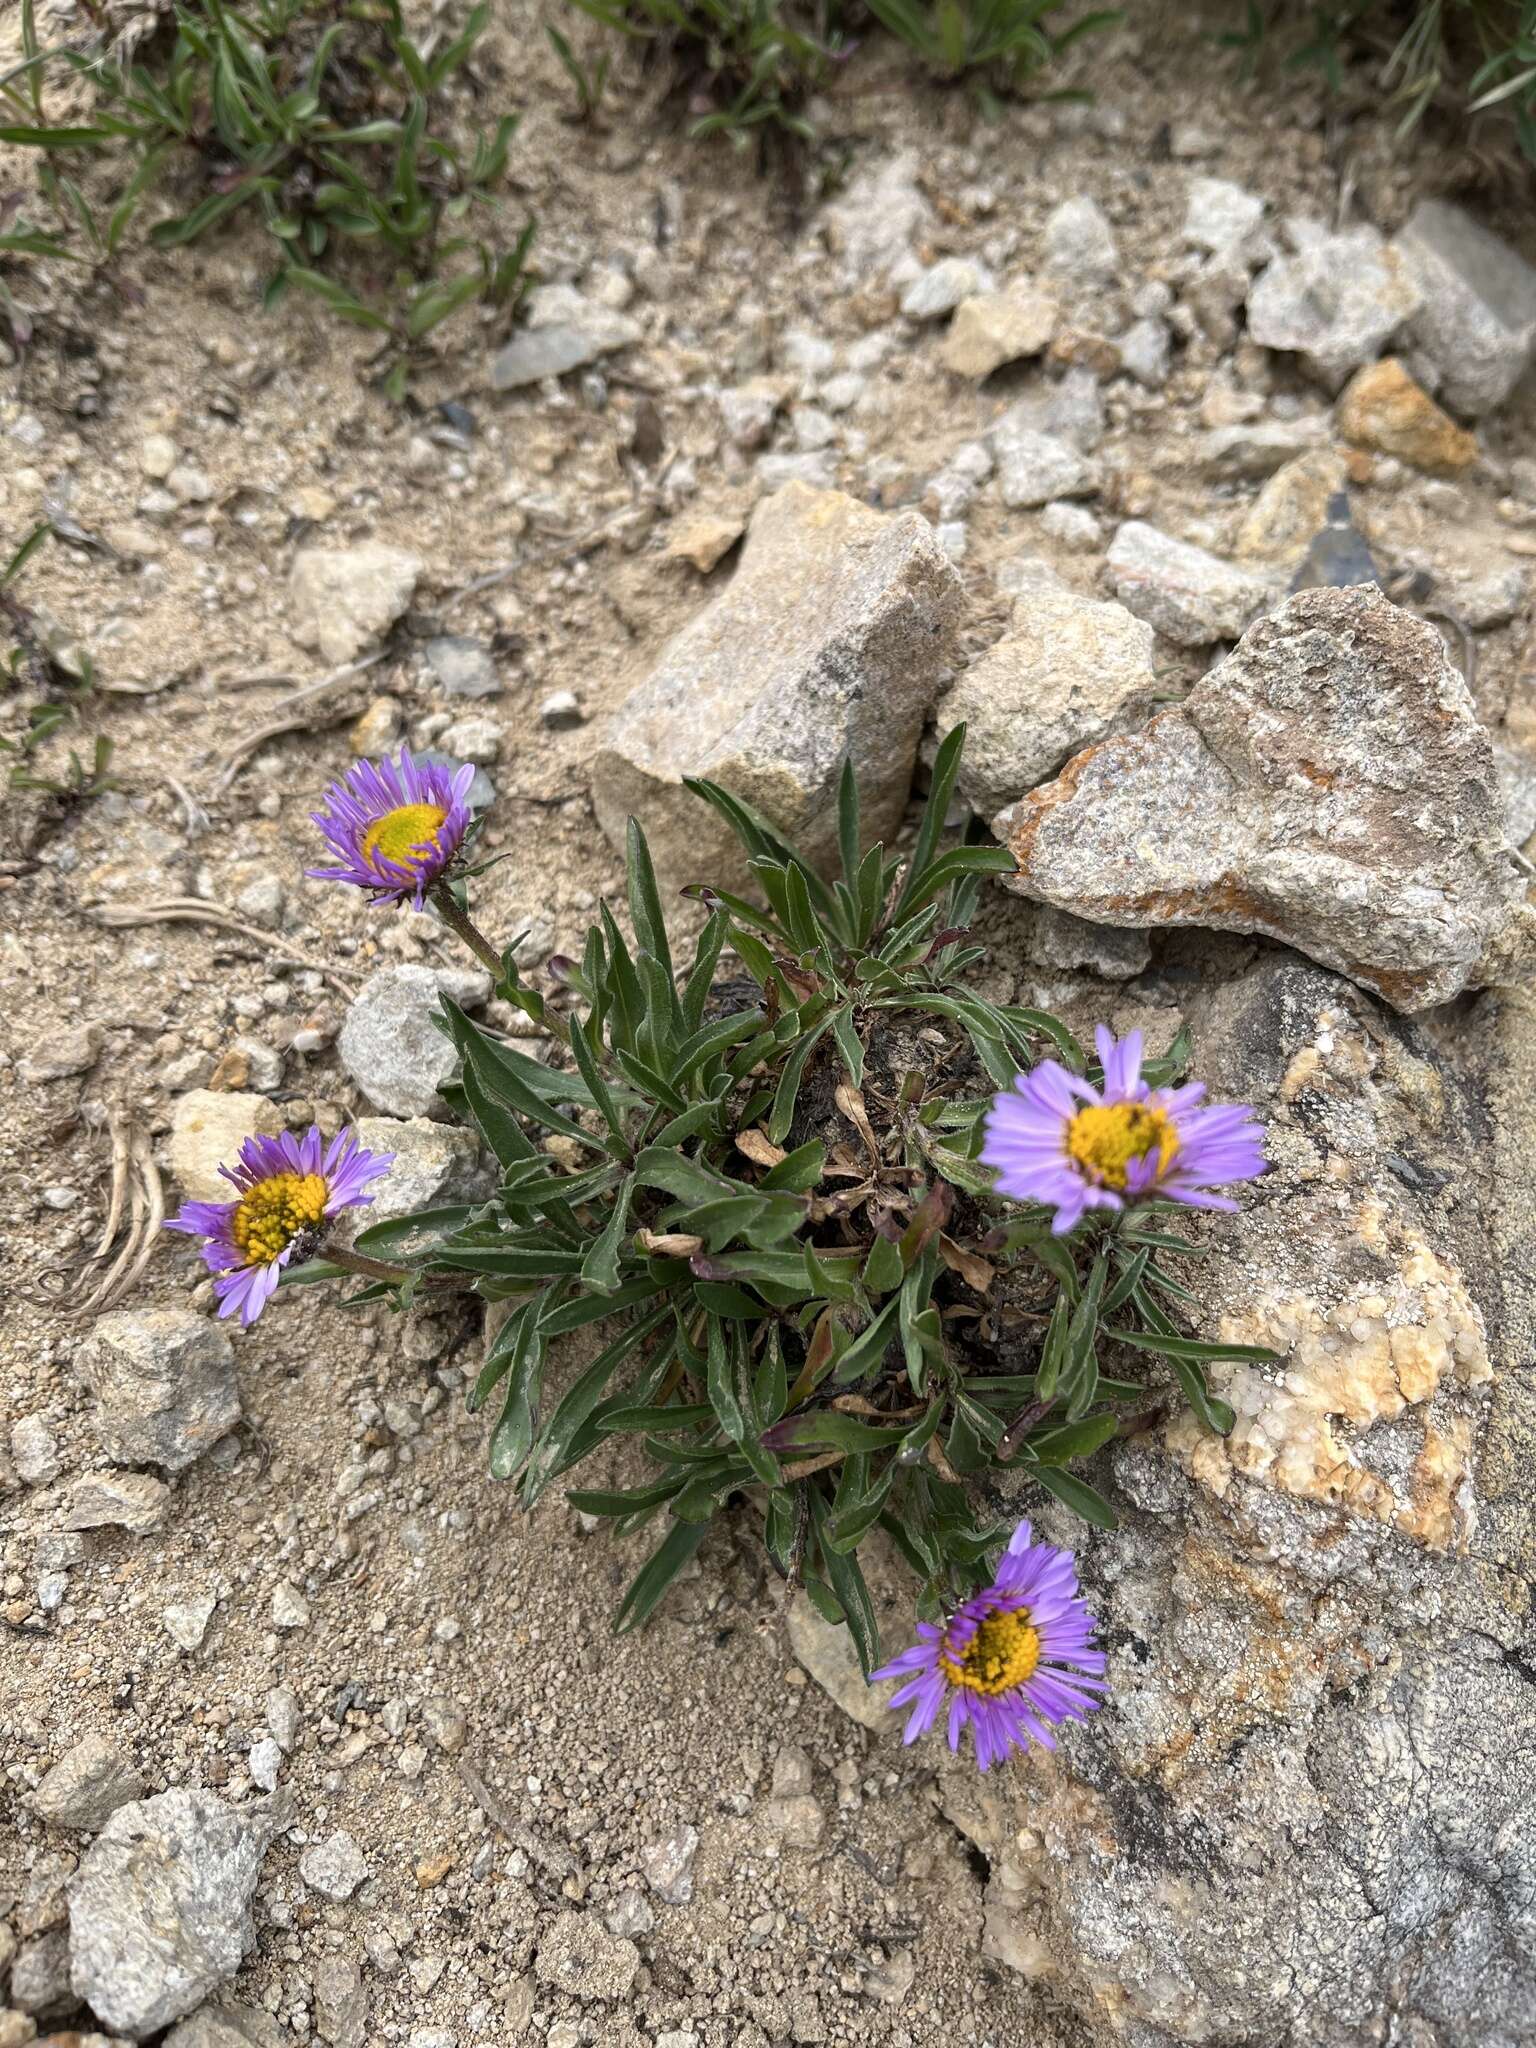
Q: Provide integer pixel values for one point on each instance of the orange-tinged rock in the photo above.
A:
(1382, 408)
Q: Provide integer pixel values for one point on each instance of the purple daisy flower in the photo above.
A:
(395, 825)
(286, 1188)
(1055, 1139)
(1013, 1662)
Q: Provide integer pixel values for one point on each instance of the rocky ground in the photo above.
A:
(306, 1732)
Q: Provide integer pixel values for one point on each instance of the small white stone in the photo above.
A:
(289, 1607)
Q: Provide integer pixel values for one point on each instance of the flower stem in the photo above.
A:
(377, 1269)
(464, 927)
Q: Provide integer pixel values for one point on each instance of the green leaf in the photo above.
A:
(550, 1453)
(1053, 1351)
(513, 1435)
(828, 1429)
(730, 1302)
(798, 1171)
(438, 302)
(847, 1582)
(657, 1574)
(848, 1043)
(867, 1349)
(600, 1267)
(1081, 1498)
(782, 1115)
(848, 825)
(645, 906)
(1194, 1347)
(941, 789)
(1072, 1440)
(883, 1269)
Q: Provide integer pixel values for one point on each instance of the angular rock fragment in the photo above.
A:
(1067, 672)
(1328, 785)
(1336, 303)
(341, 600)
(135, 1501)
(1033, 467)
(1187, 595)
(561, 331)
(848, 615)
(1476, 318)
(391, 1047)
(165, 1386)
(208, 1127)
(1220, 215)
(996, 328)
(87, 1785)
(1254, 449)
(1080, 244)
(1291, 507)
(432, 1164)
(159, 1910)
(1383, 409)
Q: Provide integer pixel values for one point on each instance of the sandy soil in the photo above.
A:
(589, 1751)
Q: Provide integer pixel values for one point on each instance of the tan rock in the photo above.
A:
(1383, 409)
(705, 540)
(1291, 508)
(996, 328)
(827, 645)
(207, 1130)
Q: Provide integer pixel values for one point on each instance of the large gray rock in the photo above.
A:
(165, 1386)
(341, 600)
(1477, 318)
(1187, 595)
(208, 1128)
(1328, 785)
(159, 1910)
(1068, 672)
(87, 1785)
(1309, 1801)
(389, 1044)
(827, 646)
(1336, 303)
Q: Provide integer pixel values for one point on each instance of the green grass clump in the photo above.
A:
(319, 117)
(1468, 57)
(997, 44)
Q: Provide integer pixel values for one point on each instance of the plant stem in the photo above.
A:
(377, 1269)
(464, 927)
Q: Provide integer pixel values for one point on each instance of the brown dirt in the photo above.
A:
(597, 1748)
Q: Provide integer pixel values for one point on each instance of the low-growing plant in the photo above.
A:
(1473, 57)
(779, 1194)
(740, 67)
(996, 44)
(321, 118)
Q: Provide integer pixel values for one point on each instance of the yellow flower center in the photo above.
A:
(270, 1215)
(1105, 1137)
(402, 836)
(1003, 1653)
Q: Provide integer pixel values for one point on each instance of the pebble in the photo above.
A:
(1072, 526)
(165, 1386)
(1383, 409)
(1476, 315)
(630, 1914)
(998, 328)
(463, 666)
(87, 1786)
(1079, 243)
(1035, 467)
(264, 1762)
(208, 1128)
(284, 1715)
(1220, 214)
(342, 600)
(158, 456)
(1187, 595)
(445, 1722)
(289, 1607)
(341, 2004)
(703, 541)
(118, 1500)
(73, 1050)
(34, 1451)
(941, 287)
(335, 1867)
(187, 1620)
(561, 710)
(668, 1866)
(562, 332)
(377, 730)
(472, 739)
